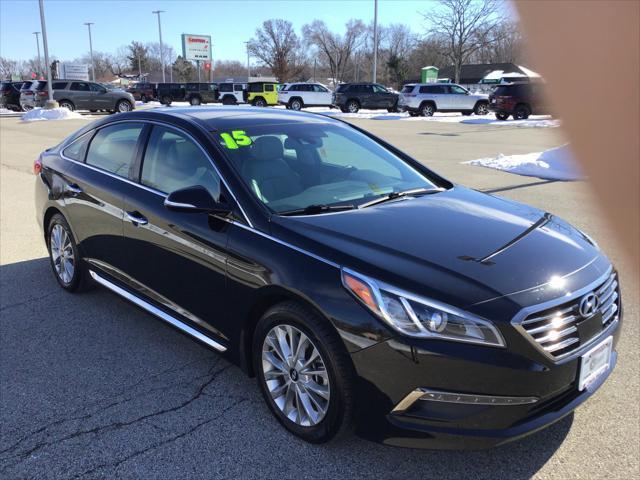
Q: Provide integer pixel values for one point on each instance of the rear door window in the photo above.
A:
(80, 86)
(59, 85)
(409, 89)
(114, 148)
(237, 88)
(269, 88)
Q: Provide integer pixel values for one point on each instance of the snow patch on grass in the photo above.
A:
(554, 164)
(38, 114)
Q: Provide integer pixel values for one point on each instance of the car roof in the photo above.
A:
(232, 117)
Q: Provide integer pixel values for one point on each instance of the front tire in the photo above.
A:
(64, 257)
(123, 106)
(521, 112)
(194, 101)
(502, 116)
(166, 100)
(304, 372)
(482, 108)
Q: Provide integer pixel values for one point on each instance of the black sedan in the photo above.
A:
(359, 287)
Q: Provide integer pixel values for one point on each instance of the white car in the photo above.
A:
(427, 98)
(231, 93)
(299, 95)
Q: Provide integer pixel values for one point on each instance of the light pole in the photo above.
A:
(248, 65)
(38, 45)
(158, 12)
(375, 40)
(93, 65)
(51, 103)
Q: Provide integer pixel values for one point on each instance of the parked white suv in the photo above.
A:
(298, 95)
(427, 98)
(231, 93)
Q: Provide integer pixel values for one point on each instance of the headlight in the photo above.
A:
(420, 317)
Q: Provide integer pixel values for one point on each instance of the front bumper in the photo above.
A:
(389, 372)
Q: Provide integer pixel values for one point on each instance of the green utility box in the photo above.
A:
(429, 74)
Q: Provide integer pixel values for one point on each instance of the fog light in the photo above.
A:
(426, 394)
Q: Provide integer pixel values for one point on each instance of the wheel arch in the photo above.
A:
(266, 298)
(67, 100)
(297, 97)
(427, 101)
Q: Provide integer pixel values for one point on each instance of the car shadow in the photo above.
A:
(515, 187)
(92, 386)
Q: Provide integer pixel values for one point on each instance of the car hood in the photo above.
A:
(459, 246)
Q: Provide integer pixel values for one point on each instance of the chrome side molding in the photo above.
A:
(157, 312)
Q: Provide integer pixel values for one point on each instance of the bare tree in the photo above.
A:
(277, 46)
(462, 25)
(229, 68)
(336, 50)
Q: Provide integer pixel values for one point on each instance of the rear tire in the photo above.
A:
(143, 99)
(502, 116)
(228, 101)
(427, 109)
(353, 106)
(295, 104)
(67, 104)
(64, 257)
(166, 100)
(260, 102)
(315, 406)
(521, 112)
(194, 101)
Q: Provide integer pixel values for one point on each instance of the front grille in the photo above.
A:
(555, 330)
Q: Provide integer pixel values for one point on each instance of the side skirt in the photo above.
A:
(157, 312)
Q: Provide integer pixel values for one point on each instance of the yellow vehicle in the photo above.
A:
(261, 94)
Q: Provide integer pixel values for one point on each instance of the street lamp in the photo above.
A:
(51, 103)
(375, 40)
(38, 45)
(248, 67)
(158, 12)
(93, 66)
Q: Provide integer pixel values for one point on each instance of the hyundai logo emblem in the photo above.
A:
(589, 305)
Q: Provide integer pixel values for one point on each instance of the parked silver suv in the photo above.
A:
(79, 95)
(427, 98)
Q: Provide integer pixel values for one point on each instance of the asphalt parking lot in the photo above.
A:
(92, 387)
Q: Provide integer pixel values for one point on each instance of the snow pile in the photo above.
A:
(5, 111)
(536, 121)
(554, 164)
(38, 114)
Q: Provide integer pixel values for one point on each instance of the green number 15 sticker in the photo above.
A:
(235, 139)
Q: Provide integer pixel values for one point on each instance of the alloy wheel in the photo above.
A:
(295, 105)
(62, 254)
(295, 375)
(124, 106)
(66, 105)
(482, 109)
(353, 107)
(427, 110)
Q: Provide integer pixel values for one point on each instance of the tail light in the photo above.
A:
(43, 93)
(37, 166)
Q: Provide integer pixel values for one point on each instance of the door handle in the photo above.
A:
(73, 188)
(137, 219)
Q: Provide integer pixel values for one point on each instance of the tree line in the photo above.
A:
(456, 32)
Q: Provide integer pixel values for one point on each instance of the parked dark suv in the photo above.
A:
(193, 92)
(519, 100)
(78, 95)
(10, 95)
(143, 91)
(351, 97)
(355, 283)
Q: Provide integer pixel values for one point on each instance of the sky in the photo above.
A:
(230, 22)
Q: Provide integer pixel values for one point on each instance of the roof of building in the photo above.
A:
(473, 73)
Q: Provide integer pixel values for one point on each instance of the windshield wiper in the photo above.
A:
(315, 209)
(406, 193)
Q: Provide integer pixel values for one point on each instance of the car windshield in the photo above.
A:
(295, 166)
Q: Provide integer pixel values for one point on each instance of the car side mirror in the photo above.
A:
(196, 199)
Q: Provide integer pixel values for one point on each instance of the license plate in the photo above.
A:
(595, 363)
